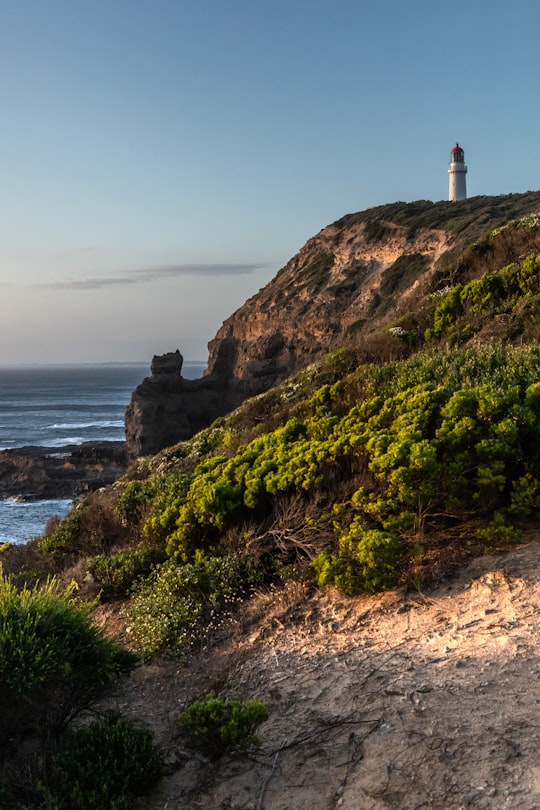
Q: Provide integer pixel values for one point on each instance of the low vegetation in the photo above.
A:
(106, 763)
(216, 726)
(361, 483)
(54, 666)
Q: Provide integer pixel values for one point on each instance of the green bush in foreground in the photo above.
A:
(105, 764)
(54, 661)
(216, 726)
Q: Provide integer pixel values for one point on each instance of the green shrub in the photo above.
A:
(367, 559)
(341, 572)
(115, 574)
(525, 496)
(54, 661)
(441, 437)
(105, 764)
(170, 607)
(462, 310)
(135, 498)
(169, 498)
(379, 554)
(499, 534)
(61, 543)
(438, 438)
(215, 726)
(92, 527)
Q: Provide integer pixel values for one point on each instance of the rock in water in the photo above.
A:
(65, 472)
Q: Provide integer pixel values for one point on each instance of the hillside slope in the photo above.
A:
(357, 274)
(362, 273)
(389, 703)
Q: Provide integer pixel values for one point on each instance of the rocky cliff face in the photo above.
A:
(353, 278)
(341, 280)
(166, 408)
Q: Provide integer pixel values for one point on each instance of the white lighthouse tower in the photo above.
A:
(457, 189)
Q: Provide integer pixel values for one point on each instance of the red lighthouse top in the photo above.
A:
(457, 155)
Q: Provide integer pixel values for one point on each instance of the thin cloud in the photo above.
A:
(90, 283)
(154, 274)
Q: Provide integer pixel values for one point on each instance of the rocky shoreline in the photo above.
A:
(33, 473)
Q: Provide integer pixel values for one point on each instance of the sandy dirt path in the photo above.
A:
(403, 701)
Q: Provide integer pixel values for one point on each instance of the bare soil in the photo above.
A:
(406, 700)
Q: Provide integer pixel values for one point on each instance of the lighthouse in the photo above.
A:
(457, 189)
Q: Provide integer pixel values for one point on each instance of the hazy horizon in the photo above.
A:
(97, 363)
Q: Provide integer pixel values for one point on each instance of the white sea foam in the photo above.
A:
(104, 423)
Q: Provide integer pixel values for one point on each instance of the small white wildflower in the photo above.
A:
(398, 331)
(440, 293)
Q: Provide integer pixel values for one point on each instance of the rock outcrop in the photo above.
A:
(66, 472)
(355, 277)
(167, 408)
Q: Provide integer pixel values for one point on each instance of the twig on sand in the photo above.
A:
(260, 803)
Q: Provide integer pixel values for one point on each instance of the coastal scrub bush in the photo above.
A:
(215, 726)
(462, 455)
(92, 527)
(498, 534)
(60, 542)
(338, 570)
(105, 764)
(168, 499)
(525, 496)
(170, 606)
(462, 310)
(468, 445)
(367, 559)
(134, 499)
(227, 490)
(412, 446)
(115, 574)
(436, 438)
(54, 661)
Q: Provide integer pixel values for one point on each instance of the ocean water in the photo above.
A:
(52, 406)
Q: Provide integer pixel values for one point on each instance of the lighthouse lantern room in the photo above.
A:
(457, 189)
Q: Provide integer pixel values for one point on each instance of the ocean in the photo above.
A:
(52, 406)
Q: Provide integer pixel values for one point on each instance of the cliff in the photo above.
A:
(358, 275)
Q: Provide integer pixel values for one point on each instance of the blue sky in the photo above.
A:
(160, 160)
